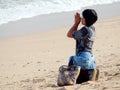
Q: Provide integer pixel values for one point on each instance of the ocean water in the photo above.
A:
(12, 10)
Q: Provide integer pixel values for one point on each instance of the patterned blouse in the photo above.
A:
(84, 39)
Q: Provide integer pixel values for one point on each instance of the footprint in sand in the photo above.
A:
(58, 61)
(2, 64)
(116, 74)
(27, 80)
(111, 45)
(38, 80)
(38, 69)
(38, 62)
(27, 64)
(117, 64)
(14, 64)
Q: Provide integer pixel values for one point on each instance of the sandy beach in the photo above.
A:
(31, 62)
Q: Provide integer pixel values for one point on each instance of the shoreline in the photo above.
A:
(53, 21)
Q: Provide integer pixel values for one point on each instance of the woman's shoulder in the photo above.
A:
(90, 28)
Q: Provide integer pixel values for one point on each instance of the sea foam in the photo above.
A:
(12, 10)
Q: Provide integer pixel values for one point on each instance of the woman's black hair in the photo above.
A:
(90, 16)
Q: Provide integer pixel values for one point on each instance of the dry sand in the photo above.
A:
(31, 62)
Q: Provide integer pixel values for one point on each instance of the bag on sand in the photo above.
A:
(68, 75)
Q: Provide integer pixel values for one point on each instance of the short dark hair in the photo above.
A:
(90, 16)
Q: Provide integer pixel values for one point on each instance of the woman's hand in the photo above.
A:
(77, 18)
(75, 26)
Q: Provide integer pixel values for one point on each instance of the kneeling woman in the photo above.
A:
(84, 41)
